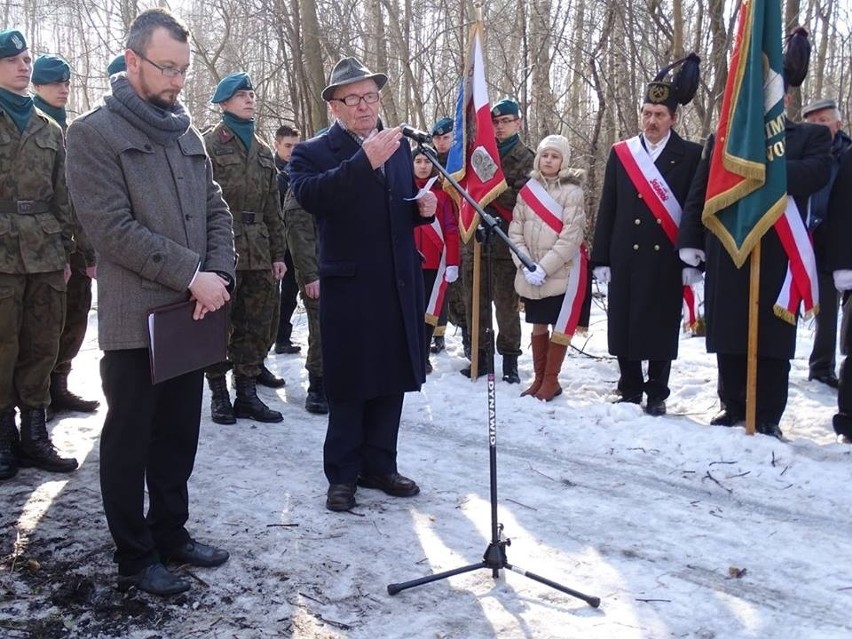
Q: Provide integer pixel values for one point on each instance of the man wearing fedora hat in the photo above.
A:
(357, 181)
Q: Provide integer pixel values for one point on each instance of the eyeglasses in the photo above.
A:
(169, 72)
(354, 100)
(504, 120)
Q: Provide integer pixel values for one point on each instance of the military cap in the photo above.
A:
(442, 126)
(680, 89)
(117, 65)
(349, 71)
(51, 68)
(818, 105)
(229, 85)
(506, 106)
(12, 42)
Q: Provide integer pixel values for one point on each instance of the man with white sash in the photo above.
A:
(646, 182)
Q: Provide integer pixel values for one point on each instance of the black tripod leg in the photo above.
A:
(594, 602)
(395, 588)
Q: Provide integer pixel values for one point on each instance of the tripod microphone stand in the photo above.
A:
(495, 557)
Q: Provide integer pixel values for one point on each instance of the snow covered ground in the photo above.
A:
(682, 529)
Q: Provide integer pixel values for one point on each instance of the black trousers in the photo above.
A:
(843, 418)
(289, 301)
(361, 437)
(150, 435)
(632, 383)
(773, 376)
(823, 359)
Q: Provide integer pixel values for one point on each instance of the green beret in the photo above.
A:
(442, 126)
(12, 42)
(51, 68)
(229, 85)
(118, 65)
(506, 106)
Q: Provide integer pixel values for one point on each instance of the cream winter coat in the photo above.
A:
(553, 252)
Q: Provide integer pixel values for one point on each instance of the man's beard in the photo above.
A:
(162, 102)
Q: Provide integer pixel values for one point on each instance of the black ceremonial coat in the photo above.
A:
(726, 288)
(371, 286)
(645, 298)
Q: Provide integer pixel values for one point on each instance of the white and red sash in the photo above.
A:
(549, 211)
(657, 195)
(800, 284)
(434, 234)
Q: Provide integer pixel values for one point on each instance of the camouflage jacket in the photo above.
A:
(39, 239)
(517, 164)
(250, 187)
(301, 229)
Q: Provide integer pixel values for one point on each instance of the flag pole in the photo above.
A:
(476, 284)
(753, 319)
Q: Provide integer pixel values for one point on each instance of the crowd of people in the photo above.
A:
(358, 224)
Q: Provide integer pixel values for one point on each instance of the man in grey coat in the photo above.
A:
(143, 188)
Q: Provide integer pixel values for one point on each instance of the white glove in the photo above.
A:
(691, 256)
(691, 276)
(602, 274)
(451, 274)
(843, 279)
(536, 277)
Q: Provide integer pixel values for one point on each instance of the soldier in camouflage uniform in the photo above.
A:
(301, 230)
(36, 241)
(51, 82)
(244, 168)
(517, 161)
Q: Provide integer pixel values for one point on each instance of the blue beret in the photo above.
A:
(506, 106)
(118, 65)
(229, 85)
(12, 42)
(442, 126)
(51, 68)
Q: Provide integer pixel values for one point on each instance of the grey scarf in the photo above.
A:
(163, 126)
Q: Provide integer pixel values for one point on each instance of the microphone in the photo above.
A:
(421, 137)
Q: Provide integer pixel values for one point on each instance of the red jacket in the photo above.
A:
(448, 219)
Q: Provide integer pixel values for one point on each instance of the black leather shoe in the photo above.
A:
(726, 418)
(340, 497)
(268, 379)
(829, 379)
(438, 344)
(393, 484)
(770, 429)
(655, 408)
(197, 554)
(155, 579)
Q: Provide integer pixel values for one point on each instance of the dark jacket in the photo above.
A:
(646, 291)
(371, 309)
(726, 288)
(839, 222)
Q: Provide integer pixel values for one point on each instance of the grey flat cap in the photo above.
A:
(349, 71)
(818, 105)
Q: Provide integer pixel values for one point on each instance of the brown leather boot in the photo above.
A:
(539, 350)
(550, 387)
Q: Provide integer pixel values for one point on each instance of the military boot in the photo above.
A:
(36, 449)
(316, 402)
(249, 406)
(438, 344)
(8, 444)
(465, 341)
(483, 368)
(267, 378)
(221, 410)
(510, 369)
(63, 399)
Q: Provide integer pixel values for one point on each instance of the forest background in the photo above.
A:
(577, 67)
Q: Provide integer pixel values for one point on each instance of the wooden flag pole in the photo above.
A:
(474, 309)
(753, 317)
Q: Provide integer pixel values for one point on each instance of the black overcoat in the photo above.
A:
(371, 288)
(726, 288)
(645, 298)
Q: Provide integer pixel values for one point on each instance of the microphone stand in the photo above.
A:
(494, 558)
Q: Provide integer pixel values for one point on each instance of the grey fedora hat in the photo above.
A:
(348, 71)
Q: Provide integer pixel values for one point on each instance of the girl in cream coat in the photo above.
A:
(543, 290)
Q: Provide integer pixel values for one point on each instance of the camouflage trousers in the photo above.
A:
(78, 302)
(313, 363)
(506, 300)
(252, 312)
(32, 313)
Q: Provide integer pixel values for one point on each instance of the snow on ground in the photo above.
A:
(682, 529)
